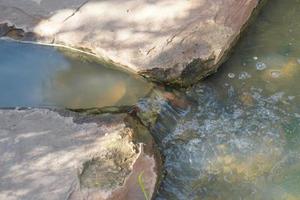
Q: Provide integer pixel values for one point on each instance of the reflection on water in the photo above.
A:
(241, 140)
(32, 75)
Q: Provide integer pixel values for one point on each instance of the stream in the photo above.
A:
(240, 138)
(232, 136)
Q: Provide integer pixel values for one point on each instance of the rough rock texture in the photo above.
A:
(64, 155)
(173, 41)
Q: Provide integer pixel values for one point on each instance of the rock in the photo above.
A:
(66, 155)
(283, 69)
(246, 99)
(3, 29)
(151, 110)
(175, 42)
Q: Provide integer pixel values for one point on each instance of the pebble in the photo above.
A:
(255, 58)
(298, 60)
(275, 74)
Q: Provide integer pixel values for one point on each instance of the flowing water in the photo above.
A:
(240, 137)
(34, 75)
(234, 136)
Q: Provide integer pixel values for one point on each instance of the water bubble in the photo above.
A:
(231, 75)
(244, 75)
(291, 98)
(261, 66)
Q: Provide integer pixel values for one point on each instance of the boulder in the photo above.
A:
(59, 154)
(171, 41)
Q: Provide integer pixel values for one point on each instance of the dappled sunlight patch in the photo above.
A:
(54, 24)
(71, 154)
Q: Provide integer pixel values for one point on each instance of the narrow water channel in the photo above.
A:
(240, 139)
(40, 76)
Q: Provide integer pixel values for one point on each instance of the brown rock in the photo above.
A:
(66, 155)
(177, 42)
(3, 29)
(246, 99)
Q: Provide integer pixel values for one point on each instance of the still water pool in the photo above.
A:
(40, 76)
(240, 137)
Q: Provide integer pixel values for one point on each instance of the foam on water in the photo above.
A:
(241, 139)
(224, 149)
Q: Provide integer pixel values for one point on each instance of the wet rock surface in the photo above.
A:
(176, 42)
(240, 137)
(66, 155)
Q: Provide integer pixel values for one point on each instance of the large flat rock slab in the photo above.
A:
(172, 41)
(63, 155)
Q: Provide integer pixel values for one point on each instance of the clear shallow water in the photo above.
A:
(240, 137)
(34, 75)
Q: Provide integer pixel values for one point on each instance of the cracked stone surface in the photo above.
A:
(64, 155)
(170, 41)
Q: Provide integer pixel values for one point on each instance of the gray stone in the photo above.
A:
(57, 155)
(3, 29)
(172, 41)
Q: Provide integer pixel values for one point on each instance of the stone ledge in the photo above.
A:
(67, 155)
(175, 42)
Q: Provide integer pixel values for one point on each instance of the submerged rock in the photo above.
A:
(63, 78)
(282, 67)
(176, 42)
(66, 155)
